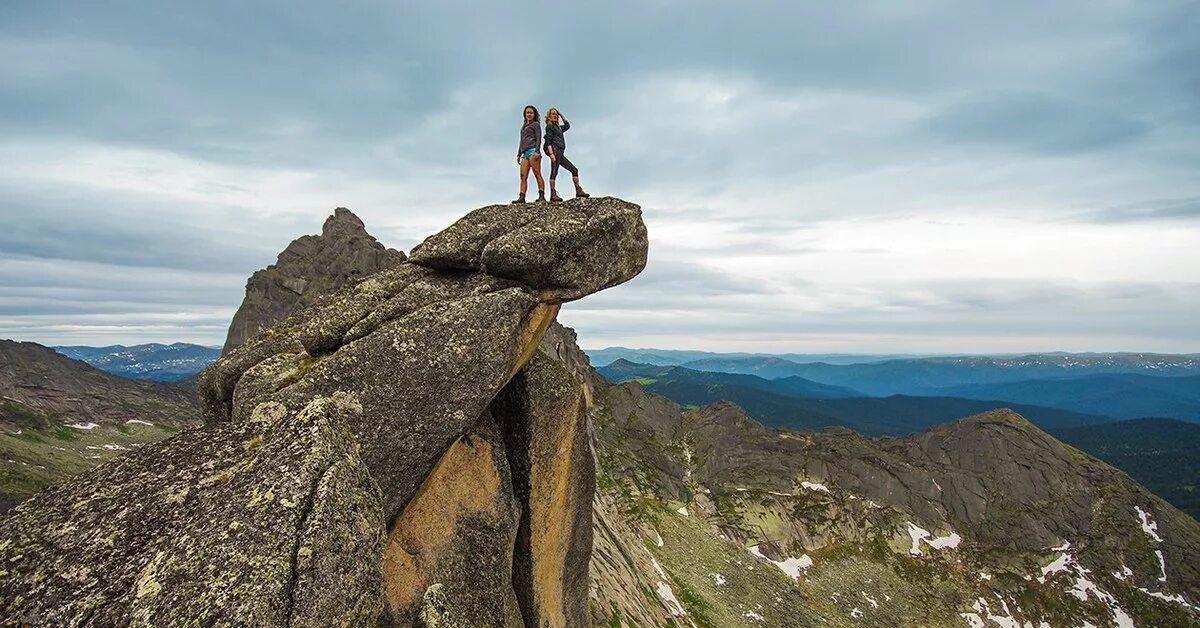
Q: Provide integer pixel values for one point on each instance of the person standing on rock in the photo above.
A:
(528, 157)
(556, 148)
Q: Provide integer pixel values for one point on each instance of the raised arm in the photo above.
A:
(566, 126)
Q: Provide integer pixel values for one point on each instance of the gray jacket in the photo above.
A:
(554, 134)
(531, 137)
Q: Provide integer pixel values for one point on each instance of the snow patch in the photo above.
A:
(84, 426)
(753, 616)
(1162, 565)
(1083, 588)
(138, 421)
(682, 510)
(942, 542)
(1178, 599)
(1149, 526)
(814, 486)
(916, 534)
(658, 540)
(870, 600)
(1124, 574)
(669, 601)
(791, 566)
(718, 579)
(856, 613)
(657, 567)
(1062, 563)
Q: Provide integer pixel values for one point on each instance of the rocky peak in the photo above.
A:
(344, 224)
(395, 452)
(310, 267)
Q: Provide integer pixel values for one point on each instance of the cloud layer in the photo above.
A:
(936, 176)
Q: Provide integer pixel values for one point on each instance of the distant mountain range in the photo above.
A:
(676, 357)
(890, 375)
(1122, 395)
(60, 416)
(797, 403)
(153, 361)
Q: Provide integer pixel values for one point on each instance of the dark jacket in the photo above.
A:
(531, 137)
(554, 134)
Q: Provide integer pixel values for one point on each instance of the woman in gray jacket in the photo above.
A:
(556, 149)
(528, 155)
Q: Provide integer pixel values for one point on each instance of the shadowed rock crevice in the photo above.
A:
(543, 414)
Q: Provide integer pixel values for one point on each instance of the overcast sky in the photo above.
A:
(926, 176)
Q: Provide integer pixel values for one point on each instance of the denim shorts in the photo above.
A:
(529, 152)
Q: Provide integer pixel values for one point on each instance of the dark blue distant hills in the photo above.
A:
(797, 403)
(1115, 385)
(152, 361)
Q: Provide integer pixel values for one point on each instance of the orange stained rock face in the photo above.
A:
(550, 497)
(532, 330)
(465, 480)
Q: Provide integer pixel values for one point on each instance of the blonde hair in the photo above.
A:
(550, 111)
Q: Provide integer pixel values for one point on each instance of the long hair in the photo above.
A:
(527, 108)
(550, 111)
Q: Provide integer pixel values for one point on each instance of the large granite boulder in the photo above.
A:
(310, 267)
(566, 250)
(431, 513)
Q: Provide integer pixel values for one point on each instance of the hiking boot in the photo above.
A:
(520, 199)
(579, 193)
(554, 197)
(542, 196)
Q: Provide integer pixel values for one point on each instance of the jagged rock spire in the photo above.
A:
(310, 267)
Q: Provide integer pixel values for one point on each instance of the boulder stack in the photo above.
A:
(395, 453)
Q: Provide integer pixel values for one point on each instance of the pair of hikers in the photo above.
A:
(555, 144)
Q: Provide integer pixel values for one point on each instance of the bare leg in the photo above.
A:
(535, 164)
(525, 175)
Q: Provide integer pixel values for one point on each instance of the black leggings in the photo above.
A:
(561, 159)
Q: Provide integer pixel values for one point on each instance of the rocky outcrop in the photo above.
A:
(310, 267)
(559, 343)
(420, 352)
(264, 522)
(512, 244)
(982, 520)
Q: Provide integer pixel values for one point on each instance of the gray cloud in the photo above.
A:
(154, 158)
(1036, 123)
